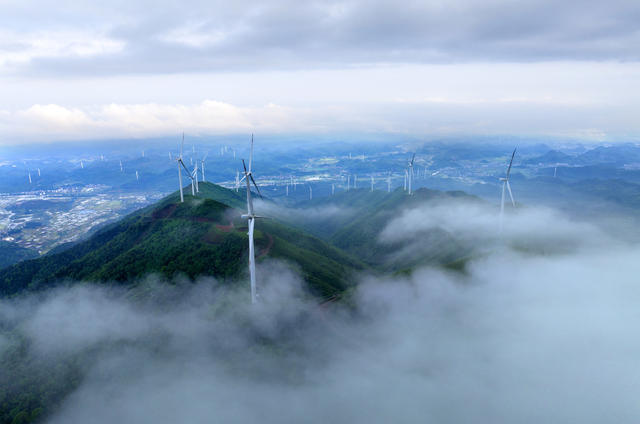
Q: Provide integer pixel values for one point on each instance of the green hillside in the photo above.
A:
(364, 214)
(10, 253)
(201, 236)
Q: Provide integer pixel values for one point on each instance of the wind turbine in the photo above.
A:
(405, 180)
(348, 182)
(237, 181)
(251, 217)
(333, 189)
(310, 192)
(38, 172)
(410, 172)
(121, 169)
(137, 177)
(29, 172)
(181, 165)
(372, 183)
(506, 185)
(202, 170)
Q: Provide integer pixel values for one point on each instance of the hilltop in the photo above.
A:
(202, 236)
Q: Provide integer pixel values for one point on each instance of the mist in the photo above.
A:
(520, 336)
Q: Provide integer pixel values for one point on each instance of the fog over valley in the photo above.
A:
(518, 336)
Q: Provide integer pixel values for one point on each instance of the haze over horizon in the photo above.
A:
(93, 71)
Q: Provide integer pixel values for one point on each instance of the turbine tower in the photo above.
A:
(251, 217)
(202, 168)
(410, 172)
(310, 192)
(507, 186)
(181, 166)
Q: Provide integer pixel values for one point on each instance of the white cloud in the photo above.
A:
(21, 48)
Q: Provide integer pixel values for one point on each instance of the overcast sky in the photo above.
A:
(146, 68)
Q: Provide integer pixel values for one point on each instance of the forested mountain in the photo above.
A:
(201, 236)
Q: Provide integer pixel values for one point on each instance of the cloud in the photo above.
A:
(20, 49)
(518, 338)
(251, 35)
(141, 120)
(477, 224)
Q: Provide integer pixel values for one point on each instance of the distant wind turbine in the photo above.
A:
(38, 172)
(251, 217)
(507, 186)
(202, 168)
(372, 182)
(333, 189)
(137, 177)
(310, 192)
(410, 172)
(29, 173)
(182, 166)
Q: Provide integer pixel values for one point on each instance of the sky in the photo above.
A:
(92, 70)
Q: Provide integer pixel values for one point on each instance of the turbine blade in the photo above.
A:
(511, 163)
(413, 158)
(251, 153)
(255, 185)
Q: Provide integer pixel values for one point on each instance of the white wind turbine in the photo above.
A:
(237, 181)
(202, 168)
(372, 182)
(251, 217)
(181, 165)
(310, 192)
(507, 186)
(410, 172)
(405, 180)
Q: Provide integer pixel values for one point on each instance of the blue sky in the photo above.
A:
(138, 69)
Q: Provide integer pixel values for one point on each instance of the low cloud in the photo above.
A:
(517, 338)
